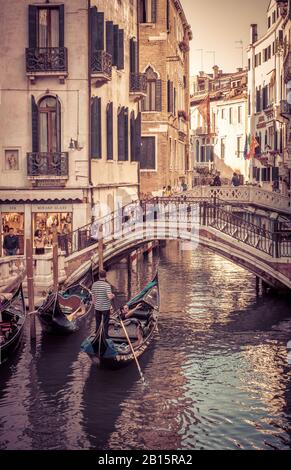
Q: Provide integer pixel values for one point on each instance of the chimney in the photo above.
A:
(254, 33)
(215, 71)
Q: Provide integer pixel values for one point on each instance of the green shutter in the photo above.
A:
(96, 127)
(132, 136)
(109, 131)
(115, 45)
(34, 124)
(109, 38)
(126, 134)
(137, 137)
(120, 127)
(61, 26)
(120, 62)
(32, 16)
(100, 31)
(93, 26)
(58, 124)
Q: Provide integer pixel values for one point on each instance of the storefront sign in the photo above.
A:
(52, 208)
(12, 208)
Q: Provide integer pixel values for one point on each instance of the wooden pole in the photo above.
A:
(55, 260)
(129, 267)
(30, 287)
(100, 248)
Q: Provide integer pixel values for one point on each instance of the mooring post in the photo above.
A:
(100, 248)
(30, 287)
(55, 260)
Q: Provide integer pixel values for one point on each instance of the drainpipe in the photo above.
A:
(89, 109)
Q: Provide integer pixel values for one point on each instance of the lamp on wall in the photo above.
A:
(74, 145)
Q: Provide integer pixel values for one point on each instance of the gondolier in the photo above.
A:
(102, 295)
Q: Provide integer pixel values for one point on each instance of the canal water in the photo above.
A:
(216, 374)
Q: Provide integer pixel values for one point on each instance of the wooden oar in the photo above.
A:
(132, 350)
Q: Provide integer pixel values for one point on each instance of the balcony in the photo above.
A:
(200, 131)
(101, 67)
(46, 61)
(285, 109)
(287, 67)
(137, 86)
(48, 166)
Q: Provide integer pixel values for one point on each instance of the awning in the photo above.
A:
(43, 195)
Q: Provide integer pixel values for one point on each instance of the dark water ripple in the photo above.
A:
(216, 375)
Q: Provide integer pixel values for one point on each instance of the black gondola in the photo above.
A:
(115, 352)
(12, 318)
(66, 311)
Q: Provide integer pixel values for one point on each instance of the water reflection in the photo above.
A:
(217, 373)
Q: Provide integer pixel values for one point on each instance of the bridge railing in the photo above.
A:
(185, 213)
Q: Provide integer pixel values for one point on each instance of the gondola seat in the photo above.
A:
(142, 314)
(70, 304)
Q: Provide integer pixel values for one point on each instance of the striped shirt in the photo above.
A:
(100, 290)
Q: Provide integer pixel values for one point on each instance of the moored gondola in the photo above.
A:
(66, 311)
(12, 318)
(115, 351)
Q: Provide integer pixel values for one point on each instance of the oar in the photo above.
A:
(132, 350)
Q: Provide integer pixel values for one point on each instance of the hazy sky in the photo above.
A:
(216, 25)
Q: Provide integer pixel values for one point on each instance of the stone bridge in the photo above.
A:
(264, 253)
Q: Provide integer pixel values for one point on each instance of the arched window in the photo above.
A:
(49, 130)
(153, 100)
(197, 151)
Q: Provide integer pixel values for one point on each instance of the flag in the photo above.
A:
(204, 110)
(253, 145)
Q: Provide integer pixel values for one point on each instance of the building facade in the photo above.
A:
(70, 123)
(218, 104)
(164, 36)
(265, 95)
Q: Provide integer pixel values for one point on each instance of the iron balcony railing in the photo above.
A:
(101, 63)
(46, 59)
(48, 164)
(137, 83)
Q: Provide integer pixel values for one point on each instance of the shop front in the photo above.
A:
(12, 216)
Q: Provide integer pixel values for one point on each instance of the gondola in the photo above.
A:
(66, 311)
(115, 352)
(12, 318)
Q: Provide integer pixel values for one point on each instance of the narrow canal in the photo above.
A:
(217, 373)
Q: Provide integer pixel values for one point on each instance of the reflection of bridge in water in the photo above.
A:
(208, 222)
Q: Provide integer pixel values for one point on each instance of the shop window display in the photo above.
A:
(14, 220)
(47, 222)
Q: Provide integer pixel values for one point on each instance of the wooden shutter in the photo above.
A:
(133, 55)
(158, 95)
(154, 11)
(126, 134)
(147, 160)
(120, 62)
(109, 131)
(170, 96)
(100, 31)
(109, 37)
(32, 15)
(93, 25)
(275, 173)
(132, 136)
(96, 127)
(61, 26)
(58, 124)
(137, 137)
(168, 15)
(34, 124)
(120, 127)
(115, 45)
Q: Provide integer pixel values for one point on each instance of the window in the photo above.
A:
(47, 118)
(258, 100)
(118, 47)
(274, 17)
(222, 149)
(230, 116)
(96, 144)
(147, 11)
(222, 113)
(153, 100)
(148, 153)
(239, 112)
(170, 97)
(46, 26)
(109, 131)
(238, 147)
(122, 127)
(269, 21)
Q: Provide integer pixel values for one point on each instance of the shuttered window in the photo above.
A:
(126, 134)
(137, 137)
(115, 45)
(120, 59)
(132, 136)
(109, 131)
(46, 26)
(148, 153)
(97, 30)
(133, 55)
(170, 91)
(153, 100)
(34, 122)
(147, 11)
(96, 151)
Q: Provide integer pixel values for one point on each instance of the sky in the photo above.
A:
(217, 25)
